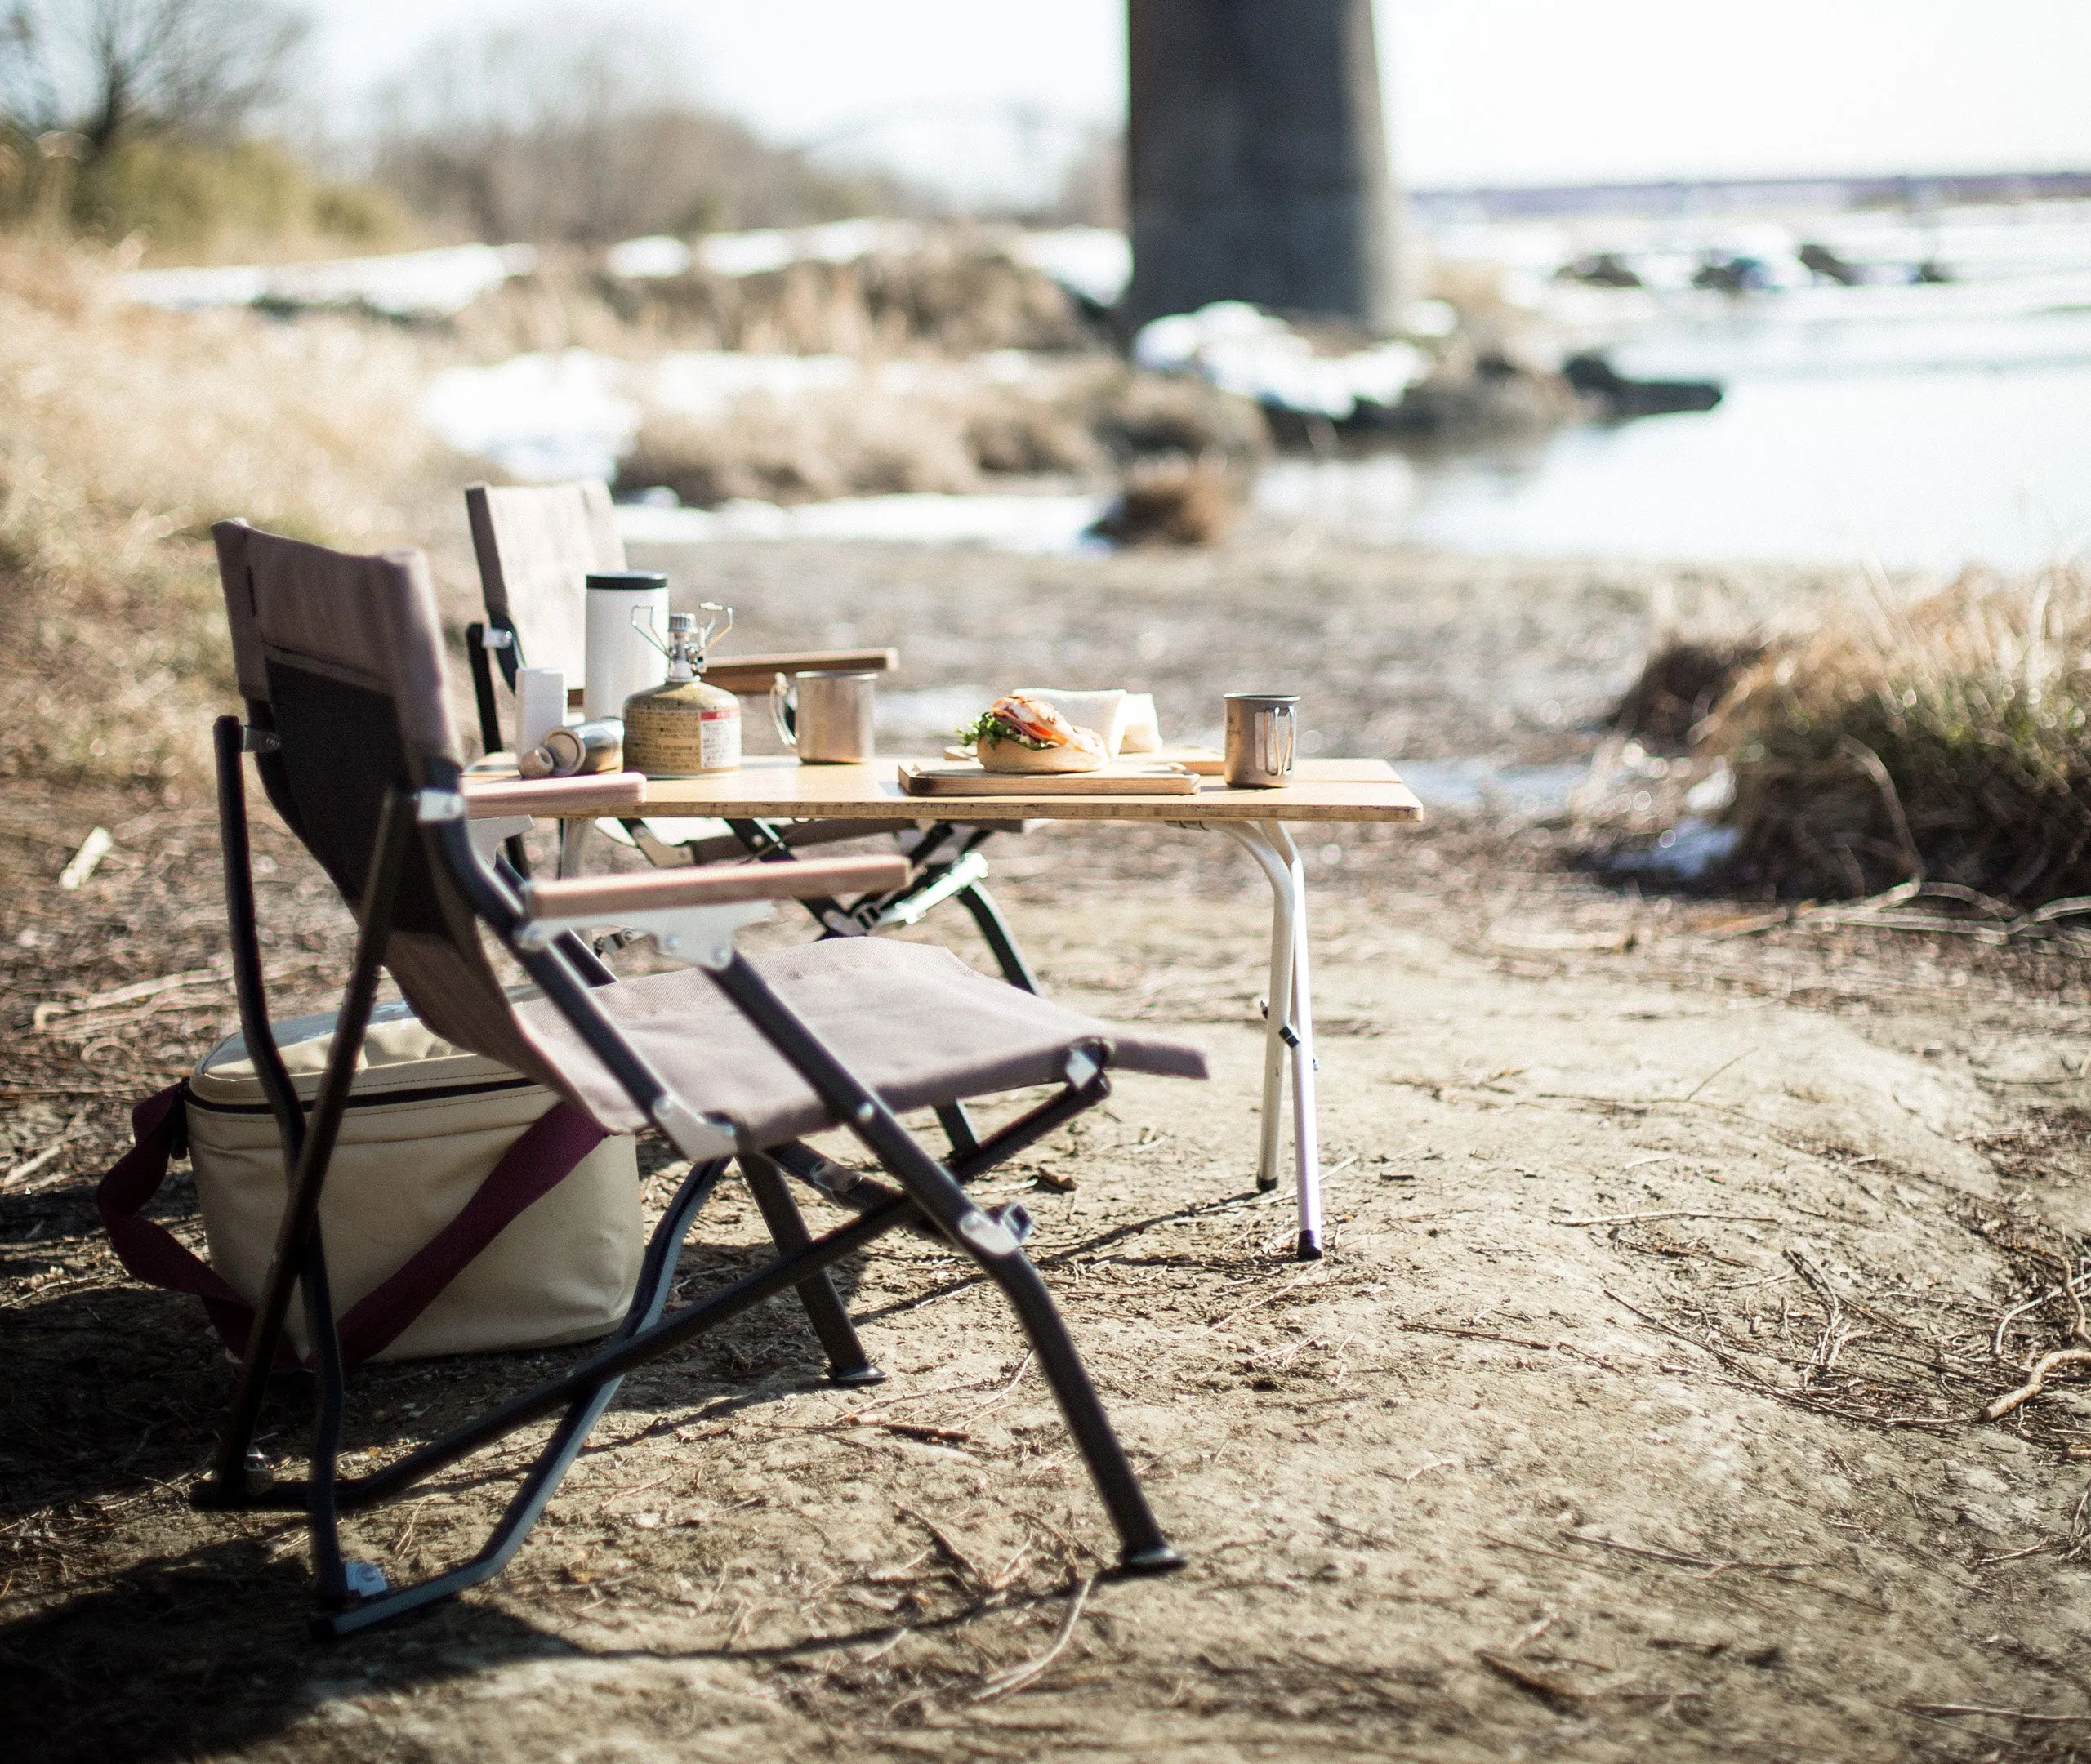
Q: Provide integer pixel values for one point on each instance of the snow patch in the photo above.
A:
(1241, 350)
(540, 417)
(425, 284)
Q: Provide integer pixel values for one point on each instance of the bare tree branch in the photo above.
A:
(543, 132)
(112, 70)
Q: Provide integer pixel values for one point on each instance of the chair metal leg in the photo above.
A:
(991, 1243)
(490, 735)
(925, 890)
(847, 1362)
(654, 1337)
(656, 1277)
(330, 1574)
(994, 929)
(514, 1526)
(958, 1127)
(763, 842)
(298, 1234)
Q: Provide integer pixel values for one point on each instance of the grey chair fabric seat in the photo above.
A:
(911, 1020)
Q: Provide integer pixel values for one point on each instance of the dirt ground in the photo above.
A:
(1631, 1413)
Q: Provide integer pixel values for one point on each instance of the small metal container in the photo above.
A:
(575, 749)
(828, 718)
(1262, 728)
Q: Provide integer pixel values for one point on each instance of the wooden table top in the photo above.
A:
(770, 788)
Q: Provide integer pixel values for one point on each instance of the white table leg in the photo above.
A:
(1306, 1098)
(1288, 1025)
(573, 840)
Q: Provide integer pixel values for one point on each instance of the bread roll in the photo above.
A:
(1084, 752)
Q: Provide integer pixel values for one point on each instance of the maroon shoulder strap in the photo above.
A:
(538, 1162)
(542, 1157)
(150, 1252)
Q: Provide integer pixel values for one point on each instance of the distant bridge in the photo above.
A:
(1724, 196)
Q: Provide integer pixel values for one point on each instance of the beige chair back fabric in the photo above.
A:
(535, 544)
(370, 622)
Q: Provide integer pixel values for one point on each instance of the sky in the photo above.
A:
(1478, 91)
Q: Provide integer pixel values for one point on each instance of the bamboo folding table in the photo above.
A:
(781, 789)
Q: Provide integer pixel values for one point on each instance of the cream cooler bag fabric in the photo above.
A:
(427, 1123)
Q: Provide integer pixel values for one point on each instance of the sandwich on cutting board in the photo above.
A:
(1021, 733)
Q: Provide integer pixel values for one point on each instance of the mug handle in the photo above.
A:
(784, 709)
(1284, 726)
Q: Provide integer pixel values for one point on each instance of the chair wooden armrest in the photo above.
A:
(600, 899)
(752, 674)
(602, 793)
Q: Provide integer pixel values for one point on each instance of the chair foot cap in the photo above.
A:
(1159, 1558)
(1310, 1247)
(1264, 1184)
(854, 1375)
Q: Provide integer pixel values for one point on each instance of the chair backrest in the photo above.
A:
(341, 657)
(535, 544)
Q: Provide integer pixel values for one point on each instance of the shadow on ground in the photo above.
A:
(161, 1632)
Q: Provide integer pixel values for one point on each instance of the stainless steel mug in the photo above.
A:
(1261, 727)
(827, 718)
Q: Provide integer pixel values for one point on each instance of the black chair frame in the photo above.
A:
(929, 1197)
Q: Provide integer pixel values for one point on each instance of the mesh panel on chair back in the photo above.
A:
(342, 657)
(535, 543)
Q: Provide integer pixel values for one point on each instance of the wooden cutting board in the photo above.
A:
(966, 777)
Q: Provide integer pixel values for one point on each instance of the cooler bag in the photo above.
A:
(466, 1207)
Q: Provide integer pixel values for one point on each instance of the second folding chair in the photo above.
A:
(535, 544)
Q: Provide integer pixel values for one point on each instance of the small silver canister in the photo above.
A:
(1261, 727)
(576, 748)
(827, 718)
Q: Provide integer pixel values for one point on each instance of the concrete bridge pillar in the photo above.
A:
(1257, 160)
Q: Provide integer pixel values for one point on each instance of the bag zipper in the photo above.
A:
(383, 1099)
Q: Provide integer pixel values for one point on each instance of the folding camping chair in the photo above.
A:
(340, 663)
(535, 542)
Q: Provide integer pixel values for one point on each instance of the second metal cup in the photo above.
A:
(1261, 733)
(828, 718)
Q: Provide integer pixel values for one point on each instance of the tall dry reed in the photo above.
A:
(1945, 737)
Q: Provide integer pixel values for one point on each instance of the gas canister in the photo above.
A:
(683, 727)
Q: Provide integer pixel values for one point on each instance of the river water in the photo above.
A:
(1916, 464)
(1923, 426)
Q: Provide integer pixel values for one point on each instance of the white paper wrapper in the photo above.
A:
(1102, 711)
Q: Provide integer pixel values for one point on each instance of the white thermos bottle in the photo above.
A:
(623, 605)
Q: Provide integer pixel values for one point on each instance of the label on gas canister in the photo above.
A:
(718, 743)
(668, 740)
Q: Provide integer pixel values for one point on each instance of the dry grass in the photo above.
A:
(802, 449)
(1943, 738)
(177, 200)
(951, 428)
(128, 433)
(862, 440)
(1677, 687)
(959, 295)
